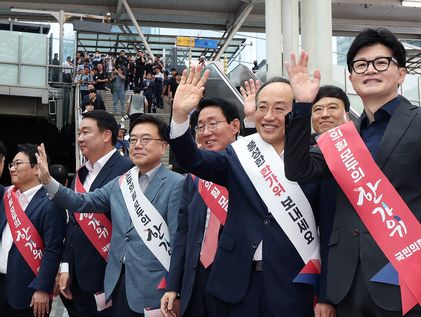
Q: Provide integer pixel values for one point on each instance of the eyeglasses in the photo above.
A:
(212, 126)
(16, 164)
(380, 64)
(277, 110)
(144, 140)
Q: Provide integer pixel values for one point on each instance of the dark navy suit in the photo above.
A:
(247, 224)
(50, 221)
(185, 256)
(86, 265)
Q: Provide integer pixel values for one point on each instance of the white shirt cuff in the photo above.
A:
(178, 129)
(52, 188)
(249, 124)
(64, 267)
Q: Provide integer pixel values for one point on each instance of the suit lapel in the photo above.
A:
(105, 171)
(156, 183)
(398, 124)
(35, 201)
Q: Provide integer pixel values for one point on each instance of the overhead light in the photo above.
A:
(411, 3)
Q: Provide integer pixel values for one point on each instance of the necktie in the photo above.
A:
(210, 241)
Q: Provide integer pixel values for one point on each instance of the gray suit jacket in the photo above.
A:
(143, 270)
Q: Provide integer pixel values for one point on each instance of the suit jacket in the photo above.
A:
(188, 243)
(86, 265)
(50, 221)
(248, 222)
(399, 158)
(143, 271)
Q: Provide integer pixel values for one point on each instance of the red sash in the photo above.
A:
(215, 197)
(388, 219)
(96, 226)
(25, 235)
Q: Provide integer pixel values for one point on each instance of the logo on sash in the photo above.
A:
(25, 235)
(284, 199)
(147, 221)
(96, 226)
(388, 219)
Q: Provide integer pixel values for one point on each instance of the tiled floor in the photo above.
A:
(58, 309)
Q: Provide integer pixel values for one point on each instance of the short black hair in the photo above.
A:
(137, 90)
(333, 92)
(29, 150)
(277, 79)
(147, 118)
(370, 37)
(3, 151)
(229, 110)
(59, 173)
(104, 121)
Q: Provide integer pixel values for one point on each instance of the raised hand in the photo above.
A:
(189, 92)
(249, 97)
(305, 89)
(44, 174)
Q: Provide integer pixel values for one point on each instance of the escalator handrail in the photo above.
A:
(226, 81)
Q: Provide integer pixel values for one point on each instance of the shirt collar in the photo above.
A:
(152, 172)
(388, 108)
(101, 162)
(30, 193)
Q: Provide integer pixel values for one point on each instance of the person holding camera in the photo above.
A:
(118, 79)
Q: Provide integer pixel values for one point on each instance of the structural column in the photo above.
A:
(290, 30)
(316, 33)
(273, 28)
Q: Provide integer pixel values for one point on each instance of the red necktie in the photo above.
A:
(210, 241)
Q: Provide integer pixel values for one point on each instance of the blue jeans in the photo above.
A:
(119, 95)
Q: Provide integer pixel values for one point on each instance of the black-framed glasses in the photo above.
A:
(144, 140)
(17, 164)
(380, 64)
(212, 126)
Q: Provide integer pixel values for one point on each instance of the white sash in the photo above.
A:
(148, 222)
(283, 198)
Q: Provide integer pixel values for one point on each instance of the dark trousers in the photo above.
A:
(120, 305)
(201, 304)
(358, 302)
(254, 304)
(83, 303)
(6, 309)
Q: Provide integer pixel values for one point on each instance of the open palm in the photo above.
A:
(190, 90)
(305, 89)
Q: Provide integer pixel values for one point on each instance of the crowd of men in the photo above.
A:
(269, 221)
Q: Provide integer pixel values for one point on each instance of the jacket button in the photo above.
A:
(254, 245)
(266, 222)
(194, 267)
(126, 239)
(356, 233)
(199, 241)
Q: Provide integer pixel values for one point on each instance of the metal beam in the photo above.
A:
(133, 19)
(234, 28)
(118, 10)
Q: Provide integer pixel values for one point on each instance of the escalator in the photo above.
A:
(227, 87)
